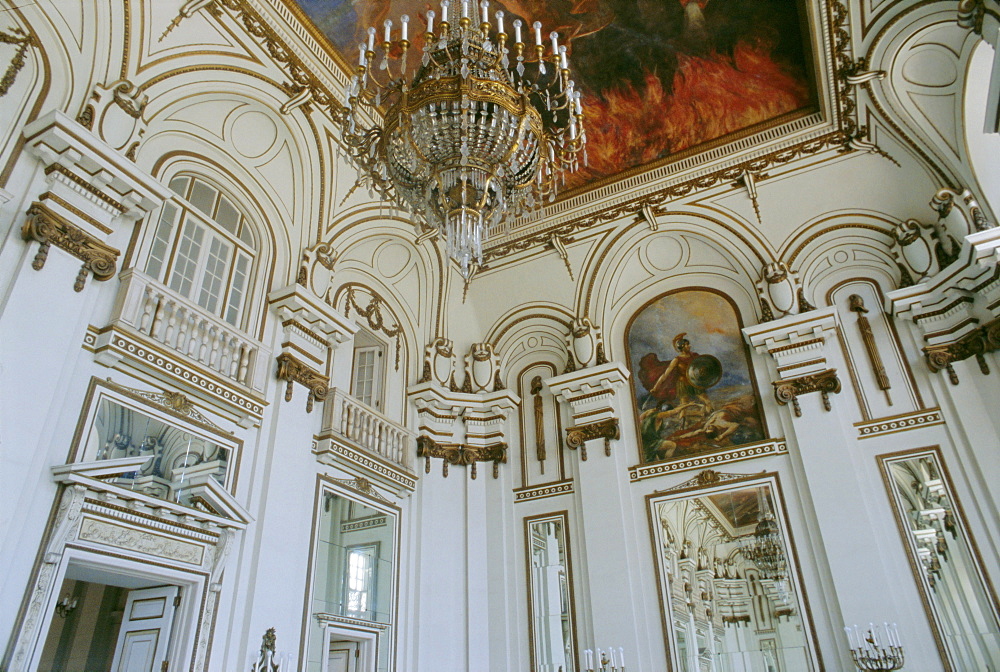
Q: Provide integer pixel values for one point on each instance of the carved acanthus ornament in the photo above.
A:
(577, 436)
(790, 389)
(439, 364)
(48, 228)
(293, 370)
(975, 343)
(461, 454)
(22, 41)
(112, 108)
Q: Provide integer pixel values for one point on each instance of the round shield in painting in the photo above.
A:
(704, 371)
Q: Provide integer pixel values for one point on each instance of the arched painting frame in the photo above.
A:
(696, 397)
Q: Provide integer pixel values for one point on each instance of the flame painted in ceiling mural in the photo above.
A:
(659, 77)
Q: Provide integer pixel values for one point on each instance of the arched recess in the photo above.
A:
(234, 125)
(924, 53)
(531, 332)
(372, 244)
(384, 320)
(688, 249)
(982, 136)
(842, 246)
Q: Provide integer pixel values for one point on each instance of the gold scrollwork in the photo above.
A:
(48, 228)
(22, 40)
(373, 313)
(976, 344)
(577, 436)
(293, 370)
(461, 454)
(790, 389)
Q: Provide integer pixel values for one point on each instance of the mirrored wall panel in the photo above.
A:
(943, 555)
(550, 594)
(354, 580)
(731, 596)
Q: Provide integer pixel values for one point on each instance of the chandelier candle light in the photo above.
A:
(765, 548)
(481, 129)
(872, 652)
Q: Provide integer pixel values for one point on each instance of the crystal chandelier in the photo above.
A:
(765, 548)
(475, 130)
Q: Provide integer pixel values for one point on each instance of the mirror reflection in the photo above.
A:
(549, 586)
(730, 595)
(354, 575)
(944, 562)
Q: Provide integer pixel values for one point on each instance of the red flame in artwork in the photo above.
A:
(712, 96)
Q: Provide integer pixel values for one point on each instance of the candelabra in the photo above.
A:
(606, 660)
(869, 653)
(269, 659)
(481, 129)
(65, 606)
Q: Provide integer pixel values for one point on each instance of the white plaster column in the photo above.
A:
(862, 548)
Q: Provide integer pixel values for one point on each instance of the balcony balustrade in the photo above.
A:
(347, 418)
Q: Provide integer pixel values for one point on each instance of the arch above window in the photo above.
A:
(204, 248)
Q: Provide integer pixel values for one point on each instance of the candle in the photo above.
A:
(499, 16)
(371, 39)
(871, 631)
(444, 11)
(465, 9)
(554, 36)
(579, 104)
(517, 30)
(621, 656)
(404, 21)
(537, 25)
(588, 659)
(388, 30)
(850, 637)
(562, 58)
(430, 21)
(611, 656)
(361, 56)
(485, 7)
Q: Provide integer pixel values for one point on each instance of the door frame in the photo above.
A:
(192, 584)
(367, 636)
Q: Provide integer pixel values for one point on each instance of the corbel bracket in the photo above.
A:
(976, 344)
(461, 454)
(293, 370)
(47, 228)
(578, 435)
(790, 389)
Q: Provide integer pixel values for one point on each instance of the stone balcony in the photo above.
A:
(360, 435)
(155, 329)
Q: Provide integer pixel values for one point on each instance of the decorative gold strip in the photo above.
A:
(461, 454)
(543, 491)
(73, 177)
(771, 447)
(899, 423)
(48, 228)
(55, 198)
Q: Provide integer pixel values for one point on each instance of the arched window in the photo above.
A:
(203, 248)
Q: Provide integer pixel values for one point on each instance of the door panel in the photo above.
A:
(145, 632)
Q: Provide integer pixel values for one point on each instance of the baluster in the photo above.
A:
(377, 438)
(225, 354)
(233, 369)
(213, 359)
(367, 429)
(154, 331)
(148, 308)
(345, 416)
(170, 315)
(245, 364)
(201, 346)
(182, 328)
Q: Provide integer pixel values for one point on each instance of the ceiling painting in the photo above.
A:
(660, 78)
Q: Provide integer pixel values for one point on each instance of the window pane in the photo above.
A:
(238, 289)
(161, 243)
(364, 375)
(227, 216)
(188, 252)
(214, 280)
(203, 197)
(179, 185)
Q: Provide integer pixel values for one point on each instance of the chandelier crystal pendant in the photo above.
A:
(478, 131)
(765, 548)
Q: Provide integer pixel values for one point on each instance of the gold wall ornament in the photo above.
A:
(48, 228)
(461, 454)
(976, 344)
(22, 41)
(578, 435)
(293, 370)
(373, 314)
(857, 305)
(790, 389)
(539, 414)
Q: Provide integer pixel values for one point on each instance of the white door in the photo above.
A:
(344, 656)
(145, 633)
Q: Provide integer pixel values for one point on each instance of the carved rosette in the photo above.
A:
(790, 389)
(293, 370)
(461, 454)
(973, 344)
(577, 436)
(48, 228)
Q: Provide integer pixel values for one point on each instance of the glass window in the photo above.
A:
(203, 249)
(366, 380)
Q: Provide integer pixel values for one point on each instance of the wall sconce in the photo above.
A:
(871, 652)
(604, 660)
(65, 605)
